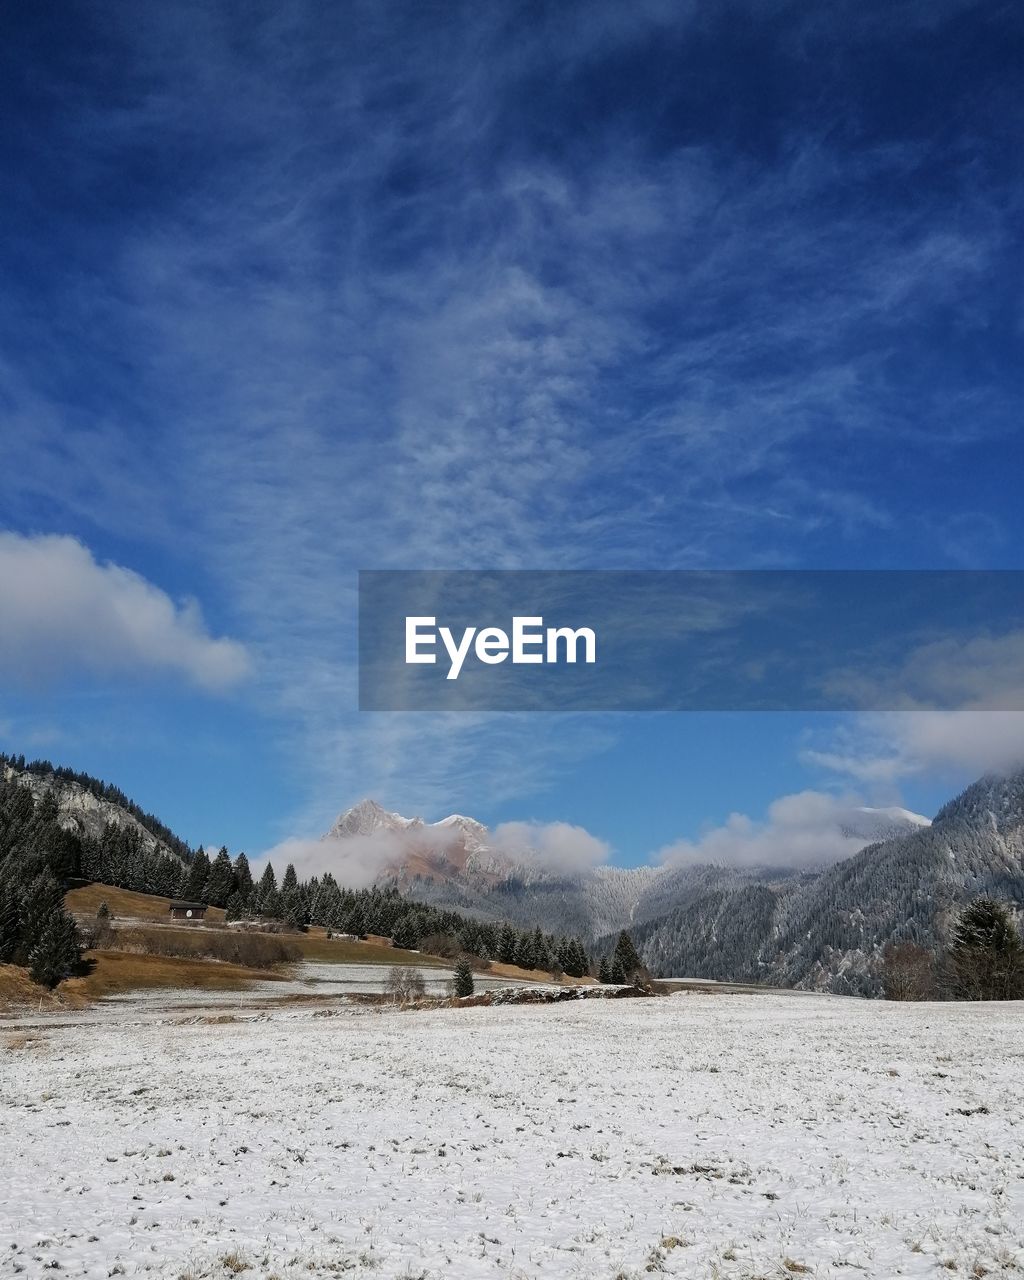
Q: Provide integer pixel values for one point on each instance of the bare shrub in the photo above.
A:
(908, 972)
(253, 950)
(404, 983)
(97, 934)
(441, 944)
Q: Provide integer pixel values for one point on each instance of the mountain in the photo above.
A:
(452, 863)
(827, 931)
(452, 850)
(86, 806)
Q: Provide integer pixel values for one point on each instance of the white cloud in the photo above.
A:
(884, 747)
(807, 829)
(554, 846)
(980, 672)
(357, 861)
(62, 612)
(354, 861)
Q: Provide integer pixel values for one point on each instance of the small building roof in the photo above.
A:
(187, 906)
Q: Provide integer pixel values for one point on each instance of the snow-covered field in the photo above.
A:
(696, 1135)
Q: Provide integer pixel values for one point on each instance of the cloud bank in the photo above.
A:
(64, 613)
(807, 829)
(554, 846)
(357, 861)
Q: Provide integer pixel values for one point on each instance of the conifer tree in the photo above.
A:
(524, 951)
(220, 882)
(626, 958)
(11, 916)
(56, 950)
(463, 980)
(507, 945)
(243, 878)
(987, 956)
(196, 876)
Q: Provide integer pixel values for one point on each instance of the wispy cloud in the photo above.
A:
(882, 749)
(377, 320)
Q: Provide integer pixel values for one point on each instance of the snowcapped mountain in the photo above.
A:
(455, 848)
(873, 825)
(454, 863)
(368, 818)
(827, 930)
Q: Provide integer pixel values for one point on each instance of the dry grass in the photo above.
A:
(19, 992)
(315, 945)
(251, 950)
(123, 902)
(117, 971)
(499, 970)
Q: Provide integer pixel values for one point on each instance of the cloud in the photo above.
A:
(885, 747)
(806, 829)
(558, 847)
(63, 613)
(358, 860)
(354, 861)
(975, 673)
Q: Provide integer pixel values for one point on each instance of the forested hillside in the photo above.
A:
(44, 848)
(828, 931)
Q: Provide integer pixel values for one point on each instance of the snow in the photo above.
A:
(696, 1135)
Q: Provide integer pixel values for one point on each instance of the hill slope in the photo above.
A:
(827, 931)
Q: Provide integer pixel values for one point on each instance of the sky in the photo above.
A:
(294, 290)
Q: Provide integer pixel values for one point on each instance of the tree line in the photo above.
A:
(39, 858)
(105, 791)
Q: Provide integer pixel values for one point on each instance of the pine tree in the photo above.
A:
(103, 911)
(266, 891)
(12, 909)
(463, 980)
(507, 945)
(626, 957)
(56, 950)
(44, 899)
(524, 951)
(987, 956)
(220, 882)
(243, 878)
(196, 876)
(604, 972)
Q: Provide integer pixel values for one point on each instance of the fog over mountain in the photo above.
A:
(555, 873)
(730, 905)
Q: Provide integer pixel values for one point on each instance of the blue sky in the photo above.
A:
(292, 290)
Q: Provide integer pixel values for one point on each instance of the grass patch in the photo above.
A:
(233, 946)
(123, 902)
(315, 945)
(113, 972)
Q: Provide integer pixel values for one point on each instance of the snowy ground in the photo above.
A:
(696, 1135)
(307, 979)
